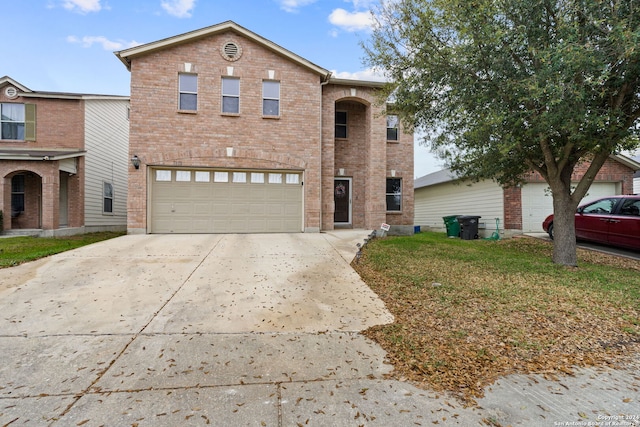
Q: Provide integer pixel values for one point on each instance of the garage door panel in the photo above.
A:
(537, 202)
(225, 207)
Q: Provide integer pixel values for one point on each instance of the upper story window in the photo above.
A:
(392, 128)
(188, 92)
(230, 95)
(394, 194)
(270, 98)
(12, 118)
(341, 124)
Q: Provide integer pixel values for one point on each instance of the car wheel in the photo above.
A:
(550, 231)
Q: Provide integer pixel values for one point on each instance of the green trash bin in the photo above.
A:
(452, 224)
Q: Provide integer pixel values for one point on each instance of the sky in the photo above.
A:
(68, 45)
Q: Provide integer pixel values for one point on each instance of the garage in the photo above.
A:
(537, 203)
(225, 201)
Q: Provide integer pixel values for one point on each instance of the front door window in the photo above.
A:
(342, 199)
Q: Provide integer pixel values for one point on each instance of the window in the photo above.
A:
(17, 195)
(630, 207)
(604, 206)
(394, 194)
(221, 177)
(188, 92)
(163, 175)
(230, 95)
(270, 98)
(202, 176)
(392, 128)
(107, 197)
(183, 176)
(275, 178)
(293, 178)
(341, 124)
(257, 178)
(239, 177)
(12, 119)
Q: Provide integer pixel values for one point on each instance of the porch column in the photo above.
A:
(5, 196)
(51, 198)
(376, 166)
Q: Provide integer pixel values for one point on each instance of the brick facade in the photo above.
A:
(60, 127)
(301, 138)
(611, 171)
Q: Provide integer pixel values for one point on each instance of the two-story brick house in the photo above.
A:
(230, 132)
(63, 161)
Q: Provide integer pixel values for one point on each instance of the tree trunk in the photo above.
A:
(564, 231)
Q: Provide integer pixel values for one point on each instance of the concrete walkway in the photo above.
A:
(233, 330)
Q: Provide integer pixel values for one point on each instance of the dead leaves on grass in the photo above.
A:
(481, 325)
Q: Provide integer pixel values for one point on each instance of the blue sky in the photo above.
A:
(68, 45)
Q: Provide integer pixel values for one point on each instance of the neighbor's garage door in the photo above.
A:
(537, 203)
(216, 201)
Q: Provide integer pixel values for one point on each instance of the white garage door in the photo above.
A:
(225, 201)
(537, 203)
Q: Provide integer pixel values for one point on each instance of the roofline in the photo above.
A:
(354, 82)
(127, 54)
(37, 155)
(627, 161)
(7, 79)
(25, 92)
(76, 96)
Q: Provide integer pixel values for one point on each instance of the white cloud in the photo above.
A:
(179, 8)
(110, 45)
(294, 5)
(351, 21)
(82, 6)
(367, 75)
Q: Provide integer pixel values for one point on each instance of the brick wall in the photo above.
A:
(302, 138)
(160, 135)
(365, 156)
(59, 125)
(611, 171)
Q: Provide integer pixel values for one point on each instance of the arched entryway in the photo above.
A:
(23, 192)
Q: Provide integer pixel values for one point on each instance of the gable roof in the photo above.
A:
(127, 55)
(25, 92)
(447, 175)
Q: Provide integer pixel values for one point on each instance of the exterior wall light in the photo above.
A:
(135, 161)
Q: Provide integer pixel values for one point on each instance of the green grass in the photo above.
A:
(467, 312)
(17, 250)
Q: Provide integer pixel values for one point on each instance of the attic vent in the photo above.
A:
(231, 51)
(11, 92)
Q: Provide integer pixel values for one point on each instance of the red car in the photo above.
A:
(613, 220)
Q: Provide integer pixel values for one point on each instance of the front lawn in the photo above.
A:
(16, 250)
(468, 312)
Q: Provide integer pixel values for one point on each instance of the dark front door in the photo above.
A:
(342, 199)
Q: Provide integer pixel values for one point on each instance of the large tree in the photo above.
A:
(506, 87)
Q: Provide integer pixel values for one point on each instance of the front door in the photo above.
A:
(342, 199)
(64, 199)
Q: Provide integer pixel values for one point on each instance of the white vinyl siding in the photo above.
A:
(107, 160)
(437, 201)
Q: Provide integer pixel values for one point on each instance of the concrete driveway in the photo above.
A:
(225, 330)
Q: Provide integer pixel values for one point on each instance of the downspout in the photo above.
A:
(322, 84)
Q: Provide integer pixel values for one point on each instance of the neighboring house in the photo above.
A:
(63, 161)
(232, 133)
(518, 209)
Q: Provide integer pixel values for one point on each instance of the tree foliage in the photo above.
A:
(504, 87)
